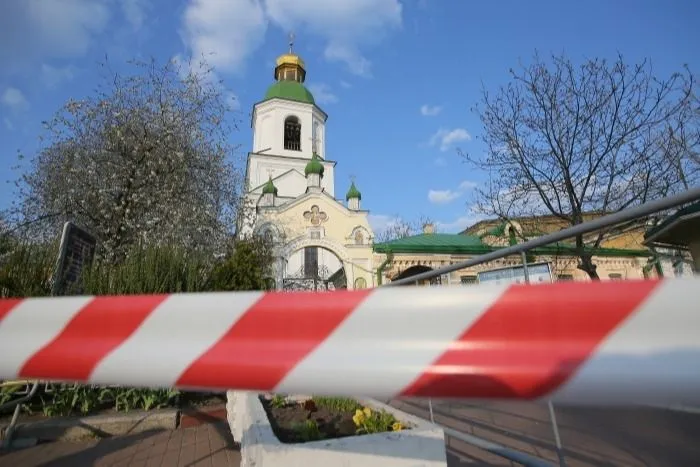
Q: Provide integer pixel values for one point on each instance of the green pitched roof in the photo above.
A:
(314, 166)
(290, 90)
(434, 243)
(269, 188)
(353, 192)
(457, 244)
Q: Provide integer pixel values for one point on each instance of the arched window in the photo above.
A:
(292, 134)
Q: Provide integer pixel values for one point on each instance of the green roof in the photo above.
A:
(457, 244)
(290, 90)
(269, 188)
(314, 166)
(673, 221)
(353, 192)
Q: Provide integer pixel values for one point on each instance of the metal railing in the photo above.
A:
(627, 215)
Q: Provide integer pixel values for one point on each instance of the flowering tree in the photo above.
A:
(567, 140)
(146, 159)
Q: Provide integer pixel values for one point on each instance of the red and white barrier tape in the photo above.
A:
(579, 343)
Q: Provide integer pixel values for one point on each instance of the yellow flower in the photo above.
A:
(359, 417)
(367, 411)
(397, 426)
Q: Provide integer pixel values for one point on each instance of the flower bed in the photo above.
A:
(337, 433)
(319, 418)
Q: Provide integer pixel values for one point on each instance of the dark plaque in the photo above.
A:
(76, 253)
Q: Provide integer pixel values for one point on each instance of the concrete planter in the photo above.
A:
(422, 445)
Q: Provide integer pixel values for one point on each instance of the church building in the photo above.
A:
(321, 242)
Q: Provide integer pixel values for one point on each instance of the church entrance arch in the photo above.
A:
(414, 271)
(314, 268)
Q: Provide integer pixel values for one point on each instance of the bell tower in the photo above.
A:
(287, 120)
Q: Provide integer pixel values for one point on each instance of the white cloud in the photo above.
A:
(224, 32)
(345, 84)
(53, 76)
(31, 30)
(346, 26)
(447, 196)
(440, 162)
(467, 185)
(381, 222)
(8, 124)
(459, 224)
(446, 138)
(233, 29)
(322, 93)
(430, 111)
(442, 196)
(135, 12)
(348, 54)
(14, 99)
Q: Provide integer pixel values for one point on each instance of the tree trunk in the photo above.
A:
(588, 267)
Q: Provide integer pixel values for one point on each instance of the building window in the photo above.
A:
(468, 280)
(311, 261)
(292, 134)
(565, 277)
(615, 277)
(360, 283)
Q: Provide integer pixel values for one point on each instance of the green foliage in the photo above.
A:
(77, 399)
(73, 399)
(127, 399)
(26, 269)
(278, 401)
(308, 431)
(246, 266)
(163, 269)
(337, 404)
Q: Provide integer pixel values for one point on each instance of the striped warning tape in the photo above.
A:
(597, 342)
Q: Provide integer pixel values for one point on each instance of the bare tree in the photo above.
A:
(401, 228)
(567, 140)
(146, 159)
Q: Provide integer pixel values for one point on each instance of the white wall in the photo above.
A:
(268, 127)
(261, 166)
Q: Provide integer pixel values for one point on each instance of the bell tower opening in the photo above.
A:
(292, 133)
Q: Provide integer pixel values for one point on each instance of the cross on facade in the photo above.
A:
(291, 41)
(352, 178)
(314, 144)
(315, 215)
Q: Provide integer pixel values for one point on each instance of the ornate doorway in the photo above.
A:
(314, 268)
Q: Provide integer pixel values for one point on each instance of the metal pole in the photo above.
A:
(557, 439)
(525, 271)
(430, 407)
(552, 417)
(589, 226)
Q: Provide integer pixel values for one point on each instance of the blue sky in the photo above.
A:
(397, 78)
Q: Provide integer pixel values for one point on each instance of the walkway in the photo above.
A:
(209, 445)
(590, 436)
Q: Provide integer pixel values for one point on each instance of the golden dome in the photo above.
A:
(290, 59)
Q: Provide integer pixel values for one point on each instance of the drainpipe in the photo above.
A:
(380, 269)
(657, 262)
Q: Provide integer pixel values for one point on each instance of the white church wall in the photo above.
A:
(261, 167)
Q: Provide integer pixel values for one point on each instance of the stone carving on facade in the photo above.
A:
(315, 215)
